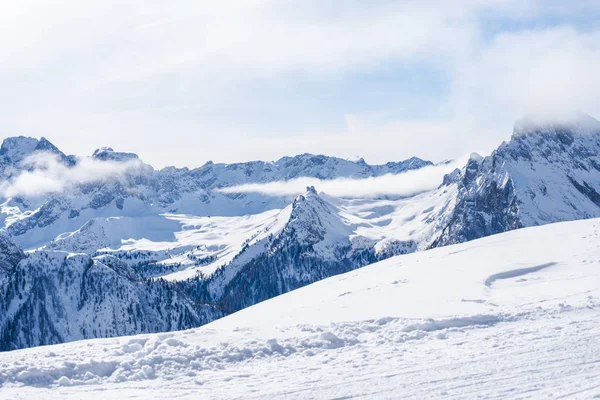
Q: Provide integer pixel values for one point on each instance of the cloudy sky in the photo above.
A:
(187, 81)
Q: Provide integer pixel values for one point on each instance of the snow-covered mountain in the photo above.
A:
(15, 151)
(55, 297)
(509, 316)
(313, 243)
(125, 227)
(218, 252)
(139, 189)
(547, 172)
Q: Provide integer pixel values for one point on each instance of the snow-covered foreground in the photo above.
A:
(516, 315)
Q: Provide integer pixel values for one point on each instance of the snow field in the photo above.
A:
(509, 316)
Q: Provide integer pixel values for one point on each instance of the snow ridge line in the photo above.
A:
(459, 322)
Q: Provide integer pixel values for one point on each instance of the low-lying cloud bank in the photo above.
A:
(405, 184)
(46, 173)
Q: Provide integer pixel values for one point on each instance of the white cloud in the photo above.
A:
(545, 70)
(405, 184)
(47, 174)
(182, 82)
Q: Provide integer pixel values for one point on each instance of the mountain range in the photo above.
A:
(121, 248)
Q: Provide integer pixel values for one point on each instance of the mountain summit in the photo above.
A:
(548, 172)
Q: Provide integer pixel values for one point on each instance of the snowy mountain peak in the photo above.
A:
(548, 172)
(15, 150)
(564, 141)
(108, 154)
(577, 123)
(310, 198)
(313, 221)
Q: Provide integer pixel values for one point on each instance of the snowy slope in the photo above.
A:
(510, 316)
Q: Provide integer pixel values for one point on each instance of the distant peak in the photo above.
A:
(357, 160)
(108, 154)
(16, 147)
(311, 189)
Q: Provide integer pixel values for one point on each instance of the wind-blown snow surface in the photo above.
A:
(514, 315)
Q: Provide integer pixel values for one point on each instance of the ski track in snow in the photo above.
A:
(516, 272)
(491, 318)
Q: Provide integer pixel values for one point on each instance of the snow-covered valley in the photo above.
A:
(514, 315)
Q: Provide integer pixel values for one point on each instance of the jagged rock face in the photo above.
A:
(546, 173)
(53, 297)
(486, 204)
(556, 170)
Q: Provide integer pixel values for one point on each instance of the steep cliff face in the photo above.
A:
(10, 255)
(547, 172)
(486, 203)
